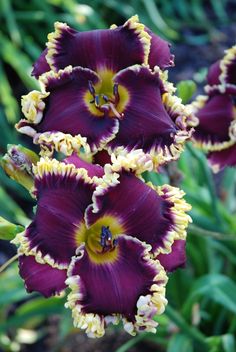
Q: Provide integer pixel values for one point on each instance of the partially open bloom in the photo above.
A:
(109, 238)
(216, 111)
(105, 89)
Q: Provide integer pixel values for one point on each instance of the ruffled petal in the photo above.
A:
(149, 122)
(155, 215)
(63, 193)
(216, 116)
(67, 111)
(228, 67)
(99, 49)
(92, 169)
(159, 52)
(214, 74)
(41, 278)
(41, 65)
(224, 158)
(176, 258)
(131, 288)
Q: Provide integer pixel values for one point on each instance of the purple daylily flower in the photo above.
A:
(216, 132)
(106, 238)
(105, 88)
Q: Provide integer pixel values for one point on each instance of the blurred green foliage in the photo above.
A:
(201, 312)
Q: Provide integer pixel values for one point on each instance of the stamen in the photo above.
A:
(105, 97)
(116, 93)
(110, 104)
(96, 98)
(106, 240)
(91, 88)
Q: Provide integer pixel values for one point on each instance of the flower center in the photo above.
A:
(101, 239)
(107, 242)
(106, 97)
(104, 103)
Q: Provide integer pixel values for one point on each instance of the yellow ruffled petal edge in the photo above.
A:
(24, 248)
(53, 39)
(66, 143)
(208, 146)
(178, 211)
(33, 105)
(135, 161)
(60, 142)
(158, 155)
(132, 24)
(171, 194)
(44, 167)
(94, 324)
(139, 29)
(230, 55)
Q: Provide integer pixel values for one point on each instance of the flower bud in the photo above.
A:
(8, 230)
(17, 164)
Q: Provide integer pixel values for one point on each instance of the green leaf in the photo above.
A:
(187, 329)
(228, 342)
(185, 90)
(180, 342)
(219, 288)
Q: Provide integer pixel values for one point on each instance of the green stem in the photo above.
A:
(184, 326)
(208, 175)
(198, 231)
(131, 343)
(9, 262)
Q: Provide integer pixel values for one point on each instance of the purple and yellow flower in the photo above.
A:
(216, 111)
(109, 239)
(106, 89)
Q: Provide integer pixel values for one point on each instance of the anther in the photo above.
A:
(96, 100)
(116, 93)
(106, 240)
(91, 88)
(105, 98)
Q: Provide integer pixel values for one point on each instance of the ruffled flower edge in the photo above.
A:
(42, 278)
(178, 210)
(94, 324)
(132, 24)
(207, 145)
(180, 220)
(33, 106)
(184, 118)
(224, 64)
(43, 167)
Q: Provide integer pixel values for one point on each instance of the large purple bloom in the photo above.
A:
(96, 96)
(216, 132)
(105, 235)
